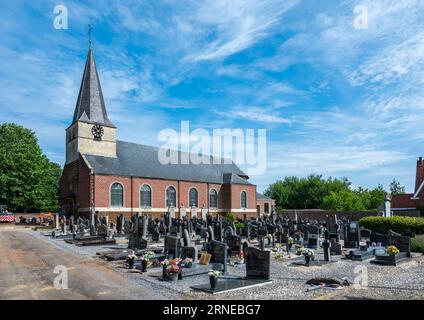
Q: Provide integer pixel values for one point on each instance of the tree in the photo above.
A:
(29, 182)
(343, 201)
(373, 198)
(396, 187)
(304, 193)
(315, 192)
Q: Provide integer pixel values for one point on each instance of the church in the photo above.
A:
(113, 177)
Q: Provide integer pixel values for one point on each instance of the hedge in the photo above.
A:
(396, 224)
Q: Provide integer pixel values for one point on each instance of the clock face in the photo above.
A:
(97, 131)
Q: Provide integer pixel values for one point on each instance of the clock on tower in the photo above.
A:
(97, 131)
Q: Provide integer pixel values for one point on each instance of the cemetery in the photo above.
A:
(271, 257)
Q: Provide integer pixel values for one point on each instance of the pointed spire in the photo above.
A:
(90, 106)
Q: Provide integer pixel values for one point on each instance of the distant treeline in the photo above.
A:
(315, 192)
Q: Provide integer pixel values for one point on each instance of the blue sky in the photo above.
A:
(334, 100)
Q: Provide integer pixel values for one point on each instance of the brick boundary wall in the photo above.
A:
(352, 215)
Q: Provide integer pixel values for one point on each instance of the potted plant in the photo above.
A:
(307, 253)
(164, 264)
(145, 260)
(173, 272)
(240, 258)
(149, 255)
(187, 263)
(213, 278)
(130, 260)
(290, 242)
(392, 251)
(279, 256)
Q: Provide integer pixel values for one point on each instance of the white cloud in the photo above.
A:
(254, 114)
(232, 26)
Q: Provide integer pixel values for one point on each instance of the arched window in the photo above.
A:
(213, 199)
(116, 195)
(243, 200)
(171, 197)
(145, 196)
(193, 199)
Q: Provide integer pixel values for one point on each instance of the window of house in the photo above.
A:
(243, 200)
(193, 197)
(171, 197)
(145, 196)
(266, 207)
(117, 195)
(213, 199)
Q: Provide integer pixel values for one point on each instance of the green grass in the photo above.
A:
(51, 227)
(417, 243)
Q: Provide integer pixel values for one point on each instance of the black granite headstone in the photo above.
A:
(258, 263)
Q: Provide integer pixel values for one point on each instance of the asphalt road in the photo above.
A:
(27, 266)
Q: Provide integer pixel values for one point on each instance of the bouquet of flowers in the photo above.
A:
(173, 268)
(279, 256)
(130, 259)
(240, 257)
(306, 252)
(290, 240)
(175, 261)
(132, 256)
(149, 255)
(164, 262)
(214, 273)
(392, 250)
(187, 262)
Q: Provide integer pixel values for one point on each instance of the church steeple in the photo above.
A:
(90, 107)
(91, 131)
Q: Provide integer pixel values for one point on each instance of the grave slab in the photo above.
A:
(232, 284)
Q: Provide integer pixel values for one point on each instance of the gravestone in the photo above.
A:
(120, 221)
(186, 238)
(293, 217)
(333, 227)
(210, 234)
(218, 231)
(335, 247)
(234, 244)
(218, 250)
(171, 213)
(204, 214)
(183, 212)
(352, 235)
(155, 234)
(258, 263)
(312, 236)
(194, 212)
(228, 232)
(189, 252)
(244, 232)
(365, 233)
(172, 246)
(326, 248)
(173, 230)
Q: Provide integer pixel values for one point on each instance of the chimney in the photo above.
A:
(419, 177)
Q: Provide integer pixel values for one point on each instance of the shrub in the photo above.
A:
(230, 216)
(417, 244)
(239, 225)
(397, 224)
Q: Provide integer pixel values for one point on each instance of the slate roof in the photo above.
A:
(90, 106)
(260, 196)
(142, 161)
